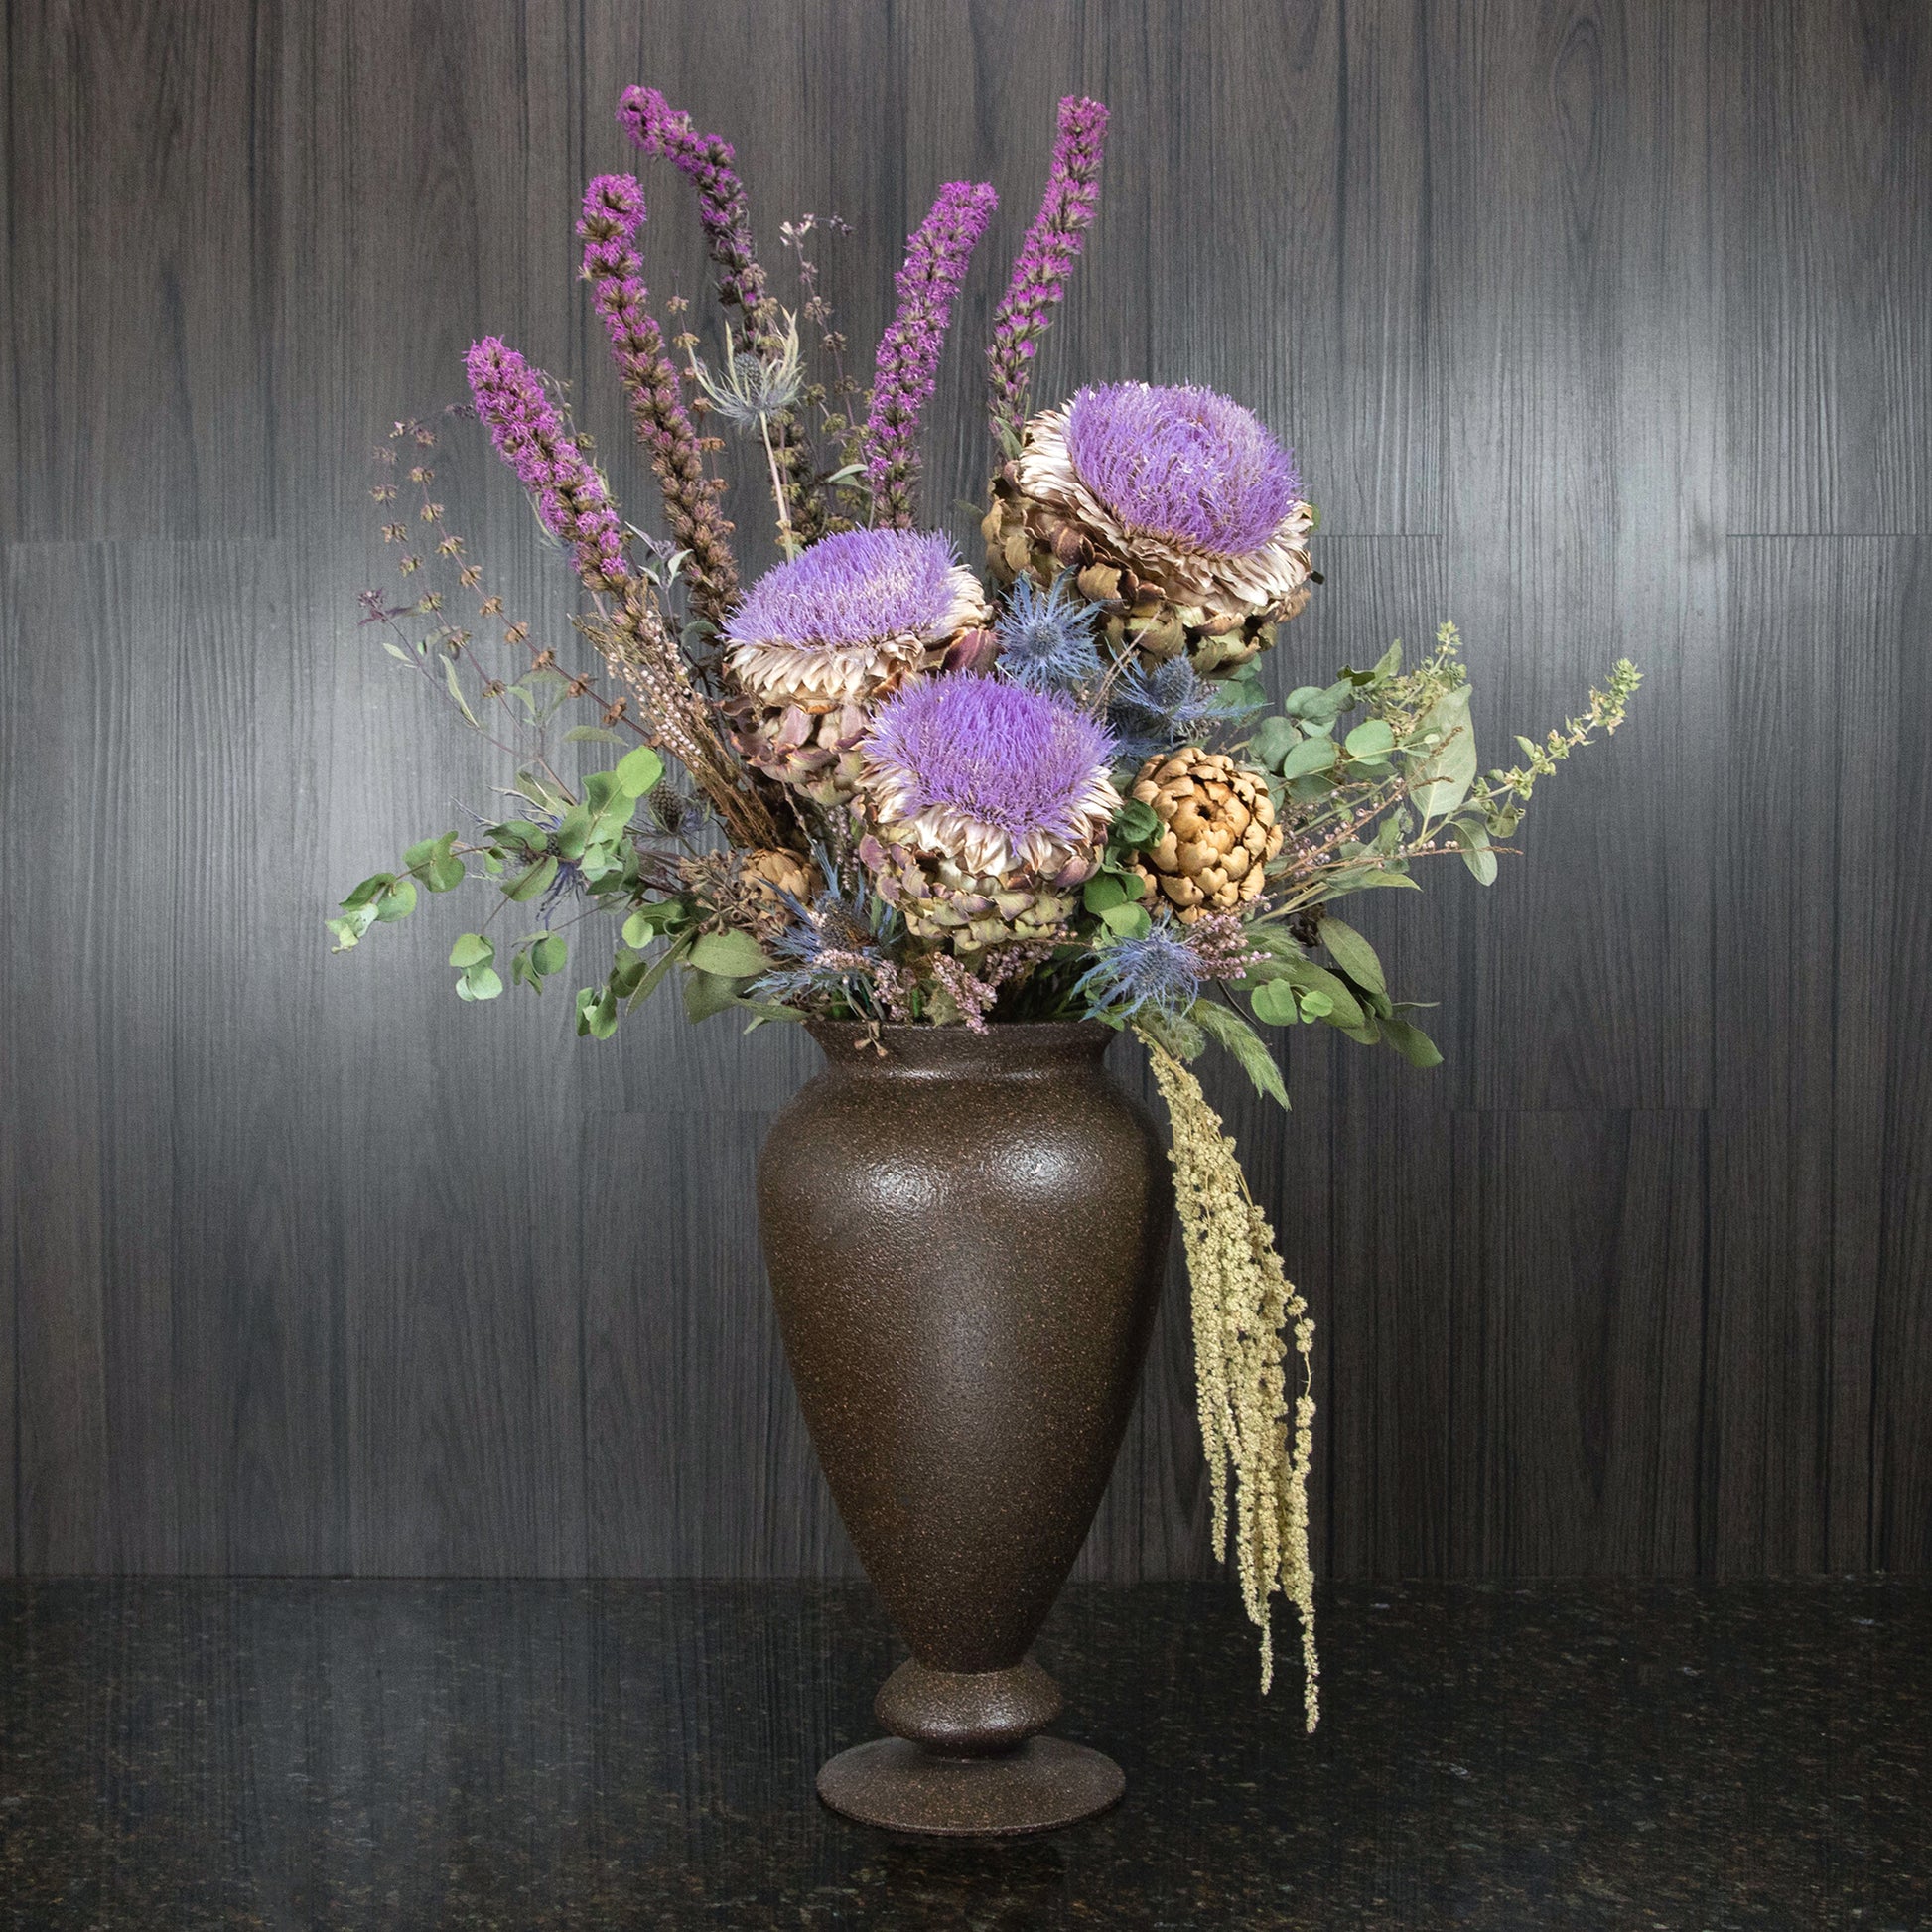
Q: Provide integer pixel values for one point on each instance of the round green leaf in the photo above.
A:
(472, 949)
(549, 953)
(638, 771)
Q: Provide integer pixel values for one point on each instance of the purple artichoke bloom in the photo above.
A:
(855, 588)
(1046, 640)
(1185, 466)
(1047, 257)
(514, 399)
(908, 353)
(705, 159)
(992, 754)
(1159, 969)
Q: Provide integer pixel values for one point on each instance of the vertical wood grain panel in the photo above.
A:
(1813, 1140)
(1574, 276)
(309, 1267)
(1829, 279)
(1577, 1310)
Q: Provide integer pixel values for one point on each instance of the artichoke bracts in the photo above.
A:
(1219, 831)
(1178, 513)
(818, 641)
(747, 886)
(986, 808)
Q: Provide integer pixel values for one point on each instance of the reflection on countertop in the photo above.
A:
(617, 1754)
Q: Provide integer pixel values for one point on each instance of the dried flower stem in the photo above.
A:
(614, 212)
(1047, 257)
(908, 353)
(1242, 1296)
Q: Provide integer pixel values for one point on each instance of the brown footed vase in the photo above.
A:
(966, 1238)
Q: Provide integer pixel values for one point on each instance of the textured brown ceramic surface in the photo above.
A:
(966, 1239)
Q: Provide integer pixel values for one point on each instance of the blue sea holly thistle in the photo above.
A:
(987, 806)
(1175, 510)
(819, 640)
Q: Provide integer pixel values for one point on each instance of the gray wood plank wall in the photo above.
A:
(1602, 327)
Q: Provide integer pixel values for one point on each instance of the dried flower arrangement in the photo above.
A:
(907, 795)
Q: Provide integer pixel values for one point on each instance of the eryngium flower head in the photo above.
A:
(1184, 466)
(1154, 707)
(996, 779)
(1159, 969)
(819, 639)
(1047, 638)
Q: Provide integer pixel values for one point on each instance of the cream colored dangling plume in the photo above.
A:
(1242, 1298)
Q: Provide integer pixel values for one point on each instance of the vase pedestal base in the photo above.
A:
(1044, 1784)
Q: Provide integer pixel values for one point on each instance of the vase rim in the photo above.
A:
(1010, 1047)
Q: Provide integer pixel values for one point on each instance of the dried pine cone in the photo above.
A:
(1219, 831)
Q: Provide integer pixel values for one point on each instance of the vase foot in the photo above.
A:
(1044, 1784)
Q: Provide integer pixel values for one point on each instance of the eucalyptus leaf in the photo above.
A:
(1410, 1041)
(639, 771)
(1103, 893)
(397, 903)
(1273, 1002)
(1353, 954)
(1440, 779)
(549, 952)
(1313, 754)
(534, 881)
(481, 983)
(470, 949)
(1374, 737)
(1274, 738)
(708, 993)
(1130, 921)
(729, 955)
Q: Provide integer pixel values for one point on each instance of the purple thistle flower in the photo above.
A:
(1183, 465)
(705, 159)
(1047, 257)
(1159, 969)
(908, 353)
(854, 587)
(614, 212)
(996, 753)
(1046, 640)
(512, 398)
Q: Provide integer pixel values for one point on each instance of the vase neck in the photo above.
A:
(1000, 1052)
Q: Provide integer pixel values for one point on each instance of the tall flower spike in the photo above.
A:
(705, 159)
(1046, 261)
(513, 400)
(614, 212)
(908, 353)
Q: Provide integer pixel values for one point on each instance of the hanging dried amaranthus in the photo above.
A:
(1242, 1296)
(614, 212)
(908, 352)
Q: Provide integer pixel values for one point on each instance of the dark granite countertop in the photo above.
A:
(524, 1755)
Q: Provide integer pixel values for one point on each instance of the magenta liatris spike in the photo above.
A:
(908, 353)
